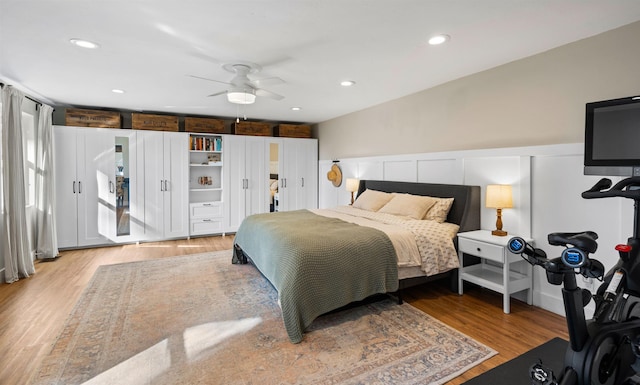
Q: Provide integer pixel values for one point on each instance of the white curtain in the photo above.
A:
(18, 260)
(46, 239)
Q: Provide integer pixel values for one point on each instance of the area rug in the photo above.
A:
(516, 371)
(199, 319)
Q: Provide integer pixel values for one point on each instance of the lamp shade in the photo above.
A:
(241, 97)
(499, 196)
(352, 184)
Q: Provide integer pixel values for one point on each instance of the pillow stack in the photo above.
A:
(405, 205)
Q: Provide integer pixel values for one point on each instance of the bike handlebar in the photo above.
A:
(575, 257)
(626, 188)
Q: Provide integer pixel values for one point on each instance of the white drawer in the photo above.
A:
(481, 249)
(205, 210)
(206, 226)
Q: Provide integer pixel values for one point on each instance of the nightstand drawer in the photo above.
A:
(481, 249)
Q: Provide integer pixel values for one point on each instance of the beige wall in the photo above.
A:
(534, 101)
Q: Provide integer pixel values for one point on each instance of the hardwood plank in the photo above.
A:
(33, 311)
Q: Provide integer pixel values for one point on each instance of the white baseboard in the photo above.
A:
(556, 305)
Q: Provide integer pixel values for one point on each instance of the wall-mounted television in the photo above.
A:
(612, 137)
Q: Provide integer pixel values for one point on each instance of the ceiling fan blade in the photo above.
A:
(218, 93)
(211, 80)
(267, 81)
(268, 94)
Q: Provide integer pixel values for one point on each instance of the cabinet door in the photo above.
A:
(95, 201)
(275, 149)
(298, 172)
(306, 174)
(176, 184)
(234, 194)
(257, 174)
(150, 155)
(65, 153)
(165, 171)
(245, 179)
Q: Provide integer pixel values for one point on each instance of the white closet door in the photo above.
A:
(95, 201)
(176, 184)
(150, 152)
(234, 193)
(66, 184)
(257, 174)
(306, 164)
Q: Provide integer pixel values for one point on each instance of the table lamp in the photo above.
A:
(352, 186)
(499, 197)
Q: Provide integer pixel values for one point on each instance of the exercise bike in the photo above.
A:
(604, 350)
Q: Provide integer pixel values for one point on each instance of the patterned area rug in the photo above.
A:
(198, 319)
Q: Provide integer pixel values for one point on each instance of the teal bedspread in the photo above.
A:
(317, 264)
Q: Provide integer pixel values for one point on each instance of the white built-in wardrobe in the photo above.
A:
(121, 186)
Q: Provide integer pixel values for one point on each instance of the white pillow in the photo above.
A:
(440, 210)
(372, 200)
(407, 205)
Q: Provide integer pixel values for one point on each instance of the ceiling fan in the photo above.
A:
(244, 90)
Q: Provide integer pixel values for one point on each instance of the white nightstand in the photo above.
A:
(503, 279)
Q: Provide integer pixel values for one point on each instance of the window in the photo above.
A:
(29, 143)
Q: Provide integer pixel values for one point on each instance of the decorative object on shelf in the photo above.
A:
(252, 128)
(293, 130)
(213, 158)
(352, 185)
(206, 125)
(499, 196)
(92, 118)
(154, 122)
(205, 180)
(335, 174)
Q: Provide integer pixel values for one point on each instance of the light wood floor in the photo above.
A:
(33, 310)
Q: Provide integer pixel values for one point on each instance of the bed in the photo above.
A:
(321, 260)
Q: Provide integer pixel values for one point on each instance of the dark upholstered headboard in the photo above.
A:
(465, 210)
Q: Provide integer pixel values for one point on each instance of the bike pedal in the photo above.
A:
(541, 375)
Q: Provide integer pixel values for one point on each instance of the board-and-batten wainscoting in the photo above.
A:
(547, 182)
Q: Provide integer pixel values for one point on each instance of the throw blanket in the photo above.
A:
(317, 264)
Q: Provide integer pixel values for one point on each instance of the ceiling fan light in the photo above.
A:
(241, 97)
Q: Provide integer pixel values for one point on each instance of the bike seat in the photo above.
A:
(585, 241)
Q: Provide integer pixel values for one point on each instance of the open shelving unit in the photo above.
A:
(205, 184)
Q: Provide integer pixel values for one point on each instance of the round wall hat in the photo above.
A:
(335, 175)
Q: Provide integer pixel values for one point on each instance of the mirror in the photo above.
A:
(273, 177)
(123, 221)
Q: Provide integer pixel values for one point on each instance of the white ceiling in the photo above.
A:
(148, 48)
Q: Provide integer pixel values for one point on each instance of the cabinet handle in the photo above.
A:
(207, 204)
(161, 187)
(74, 186)
(302, 182)
(478, 249)
(111, 189)
(206, 220)
(79, 187)
(166, 185)
(246, 183)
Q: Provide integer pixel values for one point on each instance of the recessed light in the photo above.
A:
(117, 91)
(84, 43)
(296, 108)
(347, 83)
(439, 39)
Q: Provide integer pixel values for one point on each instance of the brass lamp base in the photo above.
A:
(499, 233)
